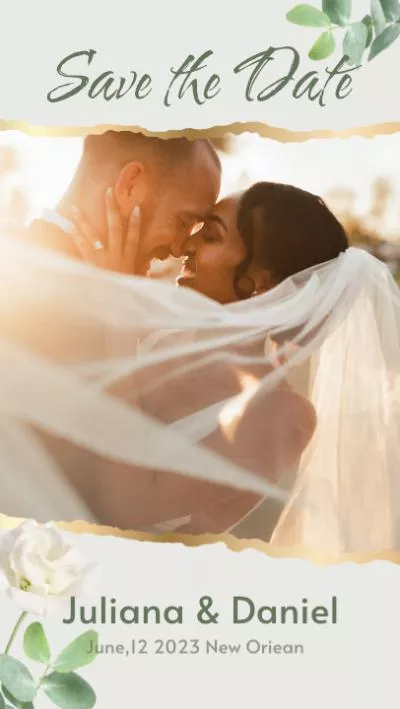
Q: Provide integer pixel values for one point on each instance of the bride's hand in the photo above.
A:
(121, 250)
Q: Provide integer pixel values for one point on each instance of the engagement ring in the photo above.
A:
(98, 246)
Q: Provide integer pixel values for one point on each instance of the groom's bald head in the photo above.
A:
(175, 182)
(111, 150)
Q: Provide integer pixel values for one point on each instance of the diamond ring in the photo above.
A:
(98, 246)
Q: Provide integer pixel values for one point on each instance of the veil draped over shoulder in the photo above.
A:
(293, 395)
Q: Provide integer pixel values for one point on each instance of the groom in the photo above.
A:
(175, 183)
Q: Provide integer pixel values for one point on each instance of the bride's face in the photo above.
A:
(212, 257)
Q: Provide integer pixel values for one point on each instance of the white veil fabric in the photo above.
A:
(114, 385)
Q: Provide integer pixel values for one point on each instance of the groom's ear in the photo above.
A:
(131, 187)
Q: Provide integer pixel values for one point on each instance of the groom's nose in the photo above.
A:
(177, 250)
(177, 247)
(189, 246)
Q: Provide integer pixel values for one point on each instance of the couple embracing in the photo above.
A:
(218, 376)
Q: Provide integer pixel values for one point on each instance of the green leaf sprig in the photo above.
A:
(59, 680)
(376, 31)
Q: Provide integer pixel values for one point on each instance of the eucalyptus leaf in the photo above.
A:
(378, 17)
(79, 653)
(2, 702)
(323, 47)
(36, 645)
(355, 43)
(17, 679)
(367, 21)
(391, 9)
(14, 702)
(308, 16)
(338, 11)
(9, 697)
(69, 691)
(385, 40)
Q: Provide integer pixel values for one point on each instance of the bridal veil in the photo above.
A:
(130, 371)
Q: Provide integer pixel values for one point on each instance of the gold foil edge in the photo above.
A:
(319, 558)
(281, 135)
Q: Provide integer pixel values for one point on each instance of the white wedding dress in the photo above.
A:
(71, 336)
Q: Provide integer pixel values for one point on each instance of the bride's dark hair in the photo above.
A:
(285, 230)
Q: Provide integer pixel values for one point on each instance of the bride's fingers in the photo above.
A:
(91, 248)
(132, 241)
(83, 225)
(82, 245)
(115, 232)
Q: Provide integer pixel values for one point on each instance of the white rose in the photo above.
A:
(40, 570)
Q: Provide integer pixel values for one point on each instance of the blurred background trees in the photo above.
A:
(370, 231)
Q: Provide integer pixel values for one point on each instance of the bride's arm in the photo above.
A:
(266, 434)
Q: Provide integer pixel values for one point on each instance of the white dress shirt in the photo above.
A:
(53, 217)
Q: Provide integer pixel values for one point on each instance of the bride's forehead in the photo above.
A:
(233, 196)
(229, 205)
(230, 201)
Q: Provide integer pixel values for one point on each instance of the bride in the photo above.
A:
(338, 319)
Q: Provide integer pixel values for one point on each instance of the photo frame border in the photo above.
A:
(234, 544)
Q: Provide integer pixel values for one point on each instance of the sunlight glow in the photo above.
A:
(341, 167)
(231, 413)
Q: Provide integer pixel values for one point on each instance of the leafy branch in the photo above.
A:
(58, 680)
(376, 31)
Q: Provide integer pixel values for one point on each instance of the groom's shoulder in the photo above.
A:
(12, 229)
(14, 232)
(41, 233)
